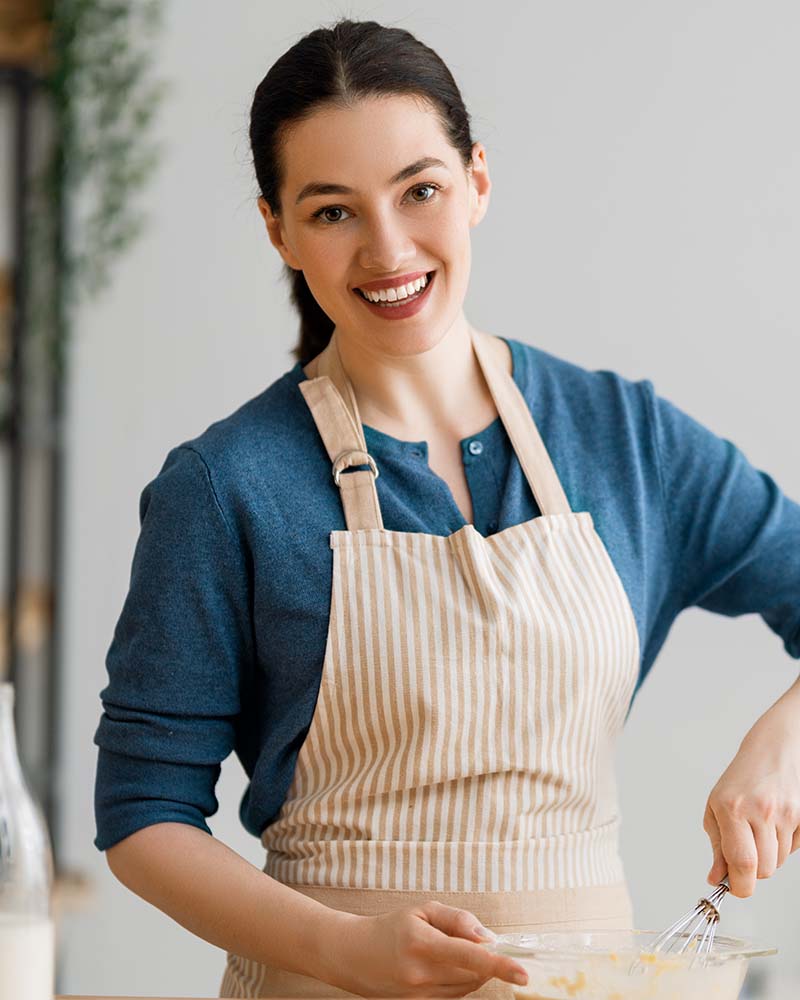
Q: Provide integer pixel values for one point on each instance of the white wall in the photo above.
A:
(646, 201)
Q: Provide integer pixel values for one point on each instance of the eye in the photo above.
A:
(320, 214)
(422, 187)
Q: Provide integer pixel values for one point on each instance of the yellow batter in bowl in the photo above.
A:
(616, 965)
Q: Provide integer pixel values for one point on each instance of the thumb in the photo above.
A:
(719, 866)
(456, 922)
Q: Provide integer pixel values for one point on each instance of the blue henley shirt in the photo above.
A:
(220, 642)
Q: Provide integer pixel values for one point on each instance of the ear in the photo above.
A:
(480, 184)
(276, 234)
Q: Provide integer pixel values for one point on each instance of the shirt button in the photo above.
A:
(475, 447)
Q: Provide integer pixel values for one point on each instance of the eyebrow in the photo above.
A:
(318, 187)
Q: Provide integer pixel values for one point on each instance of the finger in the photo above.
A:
(455, 921)
(741, 856)
(795, 840)
(508, 970)
(453, 989)
(438, 976)
(453, 952)
(477, 960)
(448, 975)
(456, 924)
(784, 843)
(460, 987)
(766, 841)
(503, 967)
(718, 866)
(511, 972)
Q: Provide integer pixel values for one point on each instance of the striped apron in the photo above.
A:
(472, 692)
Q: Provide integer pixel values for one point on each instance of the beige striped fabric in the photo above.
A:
(472, 692)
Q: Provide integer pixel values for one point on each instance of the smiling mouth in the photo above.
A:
(399, 302)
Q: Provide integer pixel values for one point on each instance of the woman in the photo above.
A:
(414, 585)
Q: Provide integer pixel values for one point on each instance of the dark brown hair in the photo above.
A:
(340, 65)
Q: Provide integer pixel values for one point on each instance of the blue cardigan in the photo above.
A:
(220, 642)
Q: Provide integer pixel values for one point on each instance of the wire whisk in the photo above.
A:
(700, 926)
(695, 931)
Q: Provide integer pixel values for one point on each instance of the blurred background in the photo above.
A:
(645, 218)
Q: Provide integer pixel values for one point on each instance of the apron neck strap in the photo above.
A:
(522, 431)
(333, 406)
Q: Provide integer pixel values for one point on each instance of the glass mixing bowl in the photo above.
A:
(616, 965)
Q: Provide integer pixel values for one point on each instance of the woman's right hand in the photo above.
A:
(430, 950)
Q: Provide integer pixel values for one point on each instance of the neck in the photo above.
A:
(408, 396)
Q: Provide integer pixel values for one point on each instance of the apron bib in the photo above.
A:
(472, 692)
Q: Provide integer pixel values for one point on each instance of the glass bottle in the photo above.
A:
(27, 939)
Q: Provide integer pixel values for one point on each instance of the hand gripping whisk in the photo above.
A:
(695, 930)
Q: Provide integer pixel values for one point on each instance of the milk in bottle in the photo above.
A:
(26, 923)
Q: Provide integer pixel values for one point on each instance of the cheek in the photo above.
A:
(457, 252)
(327, 268)
(324, 261)
(452, 248)
(450, 232)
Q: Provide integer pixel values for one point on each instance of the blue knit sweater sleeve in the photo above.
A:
(175, 661)
(735, 536)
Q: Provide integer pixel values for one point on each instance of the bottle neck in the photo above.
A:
(10, 769)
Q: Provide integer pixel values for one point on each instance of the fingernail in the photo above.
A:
(483, 932)
(521, 978)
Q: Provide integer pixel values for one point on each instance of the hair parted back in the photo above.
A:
(339, 66)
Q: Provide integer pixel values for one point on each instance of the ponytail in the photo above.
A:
(316, 326)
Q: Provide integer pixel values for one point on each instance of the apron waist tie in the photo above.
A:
(584, 858)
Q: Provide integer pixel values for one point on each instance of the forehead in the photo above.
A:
(364, 145)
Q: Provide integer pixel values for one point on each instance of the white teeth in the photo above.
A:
(395, 294)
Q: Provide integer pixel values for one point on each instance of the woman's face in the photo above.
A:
(371, 194)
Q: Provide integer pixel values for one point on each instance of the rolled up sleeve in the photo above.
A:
(178, 661)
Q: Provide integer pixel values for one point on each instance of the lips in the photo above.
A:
(404, 279)
(402, 308)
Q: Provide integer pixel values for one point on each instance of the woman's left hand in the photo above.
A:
(753, 812)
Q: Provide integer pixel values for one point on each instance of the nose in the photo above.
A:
(386, 245)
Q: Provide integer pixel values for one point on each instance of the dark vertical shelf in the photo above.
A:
(20, 83)
(53, 650)
(25, 442)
